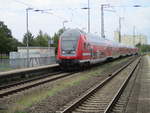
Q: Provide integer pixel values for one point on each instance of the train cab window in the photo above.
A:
(69, 39)
(86, 46)
(110, 48)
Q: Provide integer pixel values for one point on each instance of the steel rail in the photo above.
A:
(10, 92)
(29, 80)
(121, 89)
(93, 90)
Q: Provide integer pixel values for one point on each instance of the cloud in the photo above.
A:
(13, 14)
(138, 17)
(55, 3)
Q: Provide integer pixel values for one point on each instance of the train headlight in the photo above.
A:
(63, 52)
(73, 52)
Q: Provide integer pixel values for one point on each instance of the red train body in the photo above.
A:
(75, 47)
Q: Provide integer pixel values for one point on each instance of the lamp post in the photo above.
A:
(103, 6)
(102, 21)
(65, 21)
(137, 6)
(134, 35)
(88, 16)
(135, 28)
(27, 28)
(28, 58)
(120, 18)
(88, 8)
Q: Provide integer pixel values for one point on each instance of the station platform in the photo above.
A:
(22, 70)
(139, 100)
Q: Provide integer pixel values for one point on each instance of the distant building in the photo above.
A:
(131, 40)
(33, 52)
(38, 56)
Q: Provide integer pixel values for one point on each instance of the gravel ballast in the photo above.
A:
(68, 89)
(56, 102)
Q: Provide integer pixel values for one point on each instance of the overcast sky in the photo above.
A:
(12, 13)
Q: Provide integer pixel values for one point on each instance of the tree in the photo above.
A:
(5, 38)
(30, 39)
(4, 30)
(143, 47)
(42, 39)
(14, 44)
(56, 37)
(7, 42)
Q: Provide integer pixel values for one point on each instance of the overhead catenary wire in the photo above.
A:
(23, 3)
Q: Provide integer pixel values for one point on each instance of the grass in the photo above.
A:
(21, 112)
(4, 57)
(37, 96)
(5, 67)
(98, 70)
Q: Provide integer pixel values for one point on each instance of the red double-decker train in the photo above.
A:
(77, 48)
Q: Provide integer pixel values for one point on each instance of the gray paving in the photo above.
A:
(139, 101)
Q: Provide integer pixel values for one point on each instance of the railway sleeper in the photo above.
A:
(89, 111)
(94, 101)
(92, 108)
(94, 104)
(83, 112)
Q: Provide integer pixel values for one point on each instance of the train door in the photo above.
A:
(92, 53)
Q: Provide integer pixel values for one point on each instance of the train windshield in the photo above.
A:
(69, 44)
(69, 40)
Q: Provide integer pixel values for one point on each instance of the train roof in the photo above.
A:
(99, 40)
(96, 39)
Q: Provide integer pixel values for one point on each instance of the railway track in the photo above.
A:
(120, 106)
(16, 75)
(28, 80)
(20, 86)
(102, 97)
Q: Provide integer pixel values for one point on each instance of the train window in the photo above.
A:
(69, 44)
(84, 45)
(70, 35)
(110, 48)
(69, 39)
(88, 46)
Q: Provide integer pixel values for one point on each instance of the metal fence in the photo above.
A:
(8, 64)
